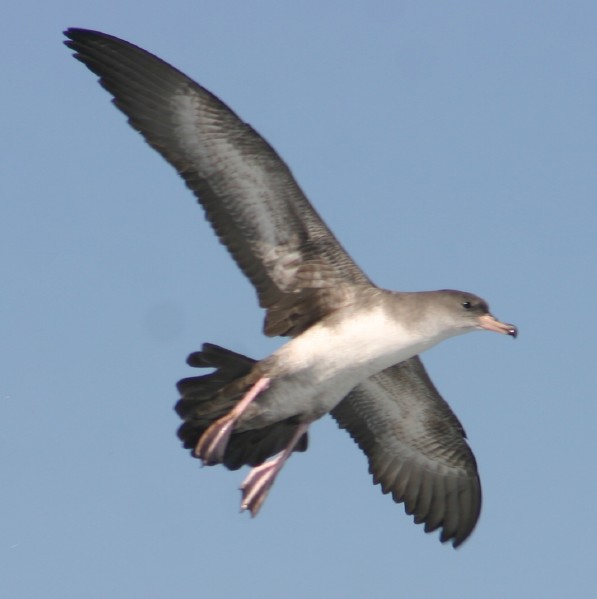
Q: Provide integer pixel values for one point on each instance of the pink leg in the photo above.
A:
(212, 444)
(261, 478)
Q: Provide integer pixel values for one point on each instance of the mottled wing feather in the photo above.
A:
(257, 209)
(416, 448)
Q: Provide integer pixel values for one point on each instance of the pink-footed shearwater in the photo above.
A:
(354, 347)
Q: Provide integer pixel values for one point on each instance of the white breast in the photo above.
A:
(318, 368)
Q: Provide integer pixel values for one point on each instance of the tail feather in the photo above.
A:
(206, 398)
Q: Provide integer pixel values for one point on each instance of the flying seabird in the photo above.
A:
(354, 347)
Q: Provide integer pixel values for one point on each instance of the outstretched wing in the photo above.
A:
(416, 448)
(298, 268)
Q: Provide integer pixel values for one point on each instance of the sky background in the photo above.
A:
(447, 144)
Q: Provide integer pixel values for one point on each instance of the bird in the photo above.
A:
(353, 348)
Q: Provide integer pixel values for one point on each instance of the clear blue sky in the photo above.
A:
(447, 144)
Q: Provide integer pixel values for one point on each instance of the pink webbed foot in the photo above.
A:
(211, 447)
(261, 478)
(257, 485)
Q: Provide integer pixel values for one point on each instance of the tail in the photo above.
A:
(205, 399)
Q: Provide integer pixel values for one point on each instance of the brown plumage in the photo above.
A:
(313, 292)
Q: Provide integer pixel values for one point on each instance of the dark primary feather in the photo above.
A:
(249, 194)
(416, 448)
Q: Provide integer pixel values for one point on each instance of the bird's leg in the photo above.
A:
(261, 478)
(212, 444)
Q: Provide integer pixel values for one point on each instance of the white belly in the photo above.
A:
(314, 371)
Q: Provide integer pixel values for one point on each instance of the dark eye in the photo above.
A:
(467, 305)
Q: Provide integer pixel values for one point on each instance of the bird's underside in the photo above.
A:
(303, 277)
(416, 449)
